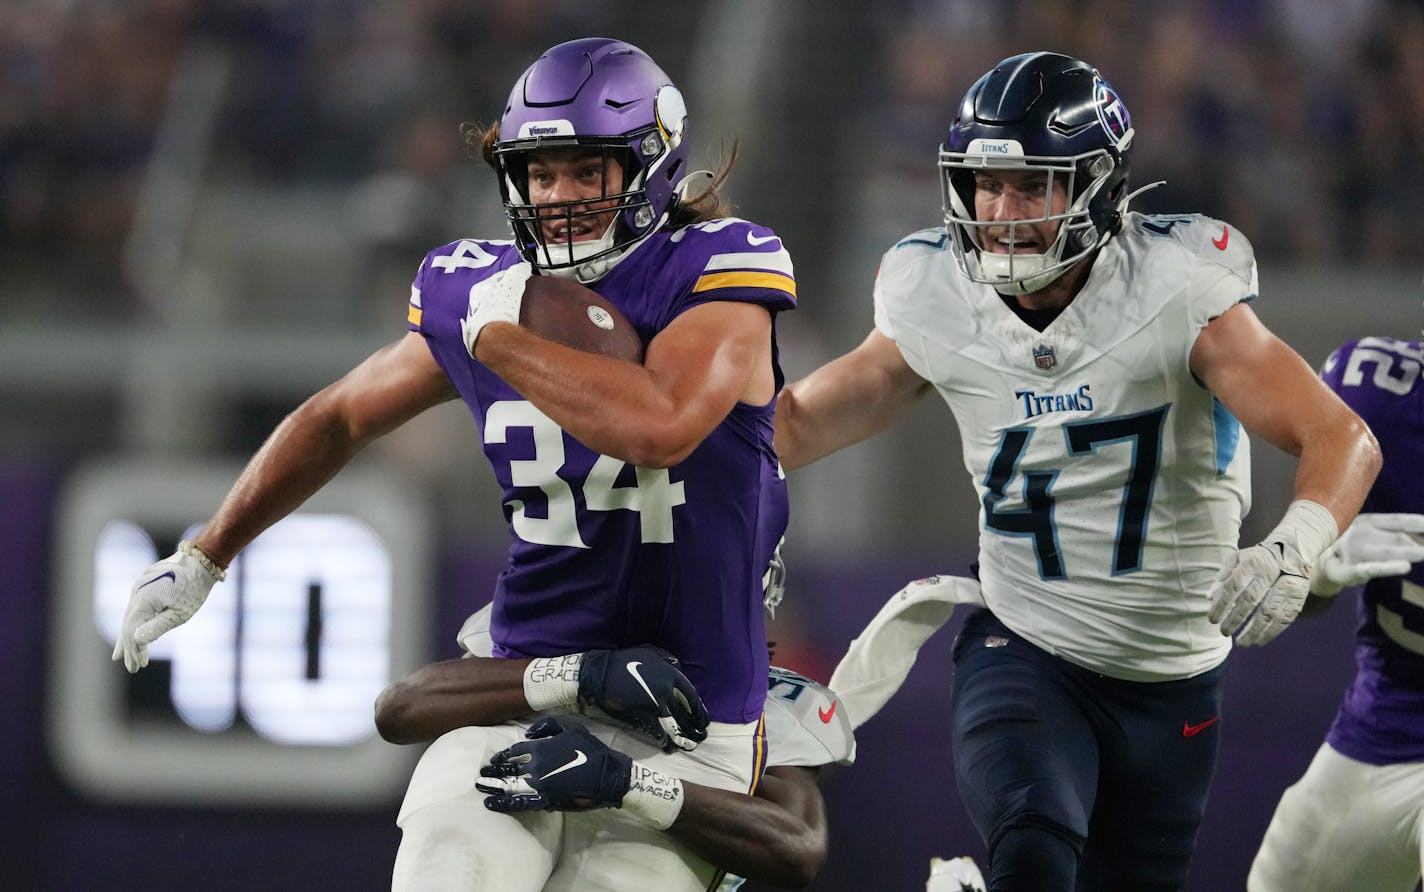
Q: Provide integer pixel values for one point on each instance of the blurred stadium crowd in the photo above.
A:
(1304, 127)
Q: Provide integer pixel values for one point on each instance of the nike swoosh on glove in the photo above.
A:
(1260, 590)
(643, 688)
(165, 596)
(555, 769)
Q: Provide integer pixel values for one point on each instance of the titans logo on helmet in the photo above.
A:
(1112, 114)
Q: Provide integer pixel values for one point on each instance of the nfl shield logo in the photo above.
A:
(1043, 357)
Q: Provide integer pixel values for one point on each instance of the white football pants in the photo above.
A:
(449, 840)
(1345, 825)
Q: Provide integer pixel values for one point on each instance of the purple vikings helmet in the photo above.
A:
(1041, 112)
(605, 96)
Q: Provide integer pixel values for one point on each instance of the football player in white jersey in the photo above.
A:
(778, 835)
(1100, 365)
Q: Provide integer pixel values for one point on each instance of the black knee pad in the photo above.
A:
(1034, 854)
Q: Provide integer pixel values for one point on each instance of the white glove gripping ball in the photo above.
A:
(495, 299)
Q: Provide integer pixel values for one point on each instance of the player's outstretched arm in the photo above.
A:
(306, 450)
(1374, 545)
(777, 836)
(845, 401)
(323, 434)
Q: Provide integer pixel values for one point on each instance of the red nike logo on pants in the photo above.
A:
(1189, 730)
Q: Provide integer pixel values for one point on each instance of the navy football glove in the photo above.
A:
(556, 769)
(643, 688)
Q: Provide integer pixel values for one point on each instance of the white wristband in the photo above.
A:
(1310, 527)
(202, 558)
(653, 796)
(552, 682)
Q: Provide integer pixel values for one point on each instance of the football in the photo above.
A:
(577, 316)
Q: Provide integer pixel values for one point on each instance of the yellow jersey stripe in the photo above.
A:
(758, 754)
(415, 315)
(758, 766)
(746, 279)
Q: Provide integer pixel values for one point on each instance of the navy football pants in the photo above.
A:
(1076, 781)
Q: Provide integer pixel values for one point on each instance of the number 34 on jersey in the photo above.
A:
(653, 497)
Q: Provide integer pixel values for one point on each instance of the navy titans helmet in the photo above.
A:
(600, 95)
(1042, 112)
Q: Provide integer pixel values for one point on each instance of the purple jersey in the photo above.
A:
(608, 555)
(1382, 719)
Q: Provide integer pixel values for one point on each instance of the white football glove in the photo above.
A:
(1260, 590)
(496, 299)
(165, 596)
(1374, 545)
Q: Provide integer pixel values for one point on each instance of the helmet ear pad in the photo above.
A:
(1105, 209)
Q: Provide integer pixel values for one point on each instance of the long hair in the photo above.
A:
(708, 204)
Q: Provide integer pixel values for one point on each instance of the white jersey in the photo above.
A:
(1111, 483)
(805, 726)
(804, 723)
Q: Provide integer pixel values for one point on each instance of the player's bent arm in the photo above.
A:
(778, 836)
(321, 436)
(845, 401)
(651, 415)
(1275, 394)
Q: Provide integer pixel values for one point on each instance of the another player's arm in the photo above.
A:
(778, 836)
(321, 436)
(658, 703)
(1275, 394)
(441, 697)
(651, 415)
(845, 401)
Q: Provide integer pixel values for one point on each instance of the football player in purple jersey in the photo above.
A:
(1355, 820)
(644, 501)
(1101, 365)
